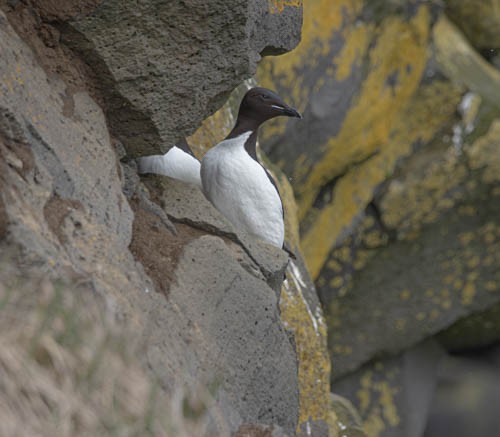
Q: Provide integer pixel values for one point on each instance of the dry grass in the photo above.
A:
(67, 369)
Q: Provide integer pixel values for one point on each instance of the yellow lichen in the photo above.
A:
(468, 293)
(387, 401)
(400, 324)
(322, 20)
(405, 294)
(420, 316)
(313, 359)
(355, 189)
(368, 123)
(377, 400)
(364, 393)
(278, 6)
(483, 154)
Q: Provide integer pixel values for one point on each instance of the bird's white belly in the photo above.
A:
(240, 189)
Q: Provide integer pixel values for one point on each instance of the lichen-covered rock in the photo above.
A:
(395, 169)
(393, 395)
(165, 65)
(352, 79)
(413, 289)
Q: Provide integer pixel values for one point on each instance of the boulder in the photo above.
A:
(164, 66)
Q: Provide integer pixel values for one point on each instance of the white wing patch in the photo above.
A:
(175, 163)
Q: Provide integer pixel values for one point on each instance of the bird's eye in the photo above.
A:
(265, 97)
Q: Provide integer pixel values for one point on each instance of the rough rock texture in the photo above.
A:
(198, 296)
(164, 66)
(395, 171)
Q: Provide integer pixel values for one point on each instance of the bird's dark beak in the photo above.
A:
(291, 112)
(287, 110)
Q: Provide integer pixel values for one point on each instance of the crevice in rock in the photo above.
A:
(325, 194)
(155, 247)
(373, 209)
(212, 230)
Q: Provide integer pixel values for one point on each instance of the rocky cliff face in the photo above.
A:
(395, 169)
(85, 84)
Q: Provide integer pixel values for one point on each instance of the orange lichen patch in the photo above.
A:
(278, 6)
(400, 324)
(468, 293)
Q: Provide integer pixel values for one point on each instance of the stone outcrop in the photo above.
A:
(202, 299)
(165, 66)
(395, 171)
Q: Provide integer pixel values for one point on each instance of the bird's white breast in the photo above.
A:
(175, 163)
(240, 189)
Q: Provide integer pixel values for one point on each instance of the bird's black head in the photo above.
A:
(261, 104)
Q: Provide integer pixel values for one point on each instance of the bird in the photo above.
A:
(234, 180)
(179, 163)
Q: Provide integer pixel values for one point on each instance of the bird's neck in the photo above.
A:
(242, 126)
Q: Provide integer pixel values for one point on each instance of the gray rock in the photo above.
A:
(185, 203)
(231, 323)
(61, 203)
(166, 65)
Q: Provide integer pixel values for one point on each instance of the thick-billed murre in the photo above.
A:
(234, 180)
(179, 163)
